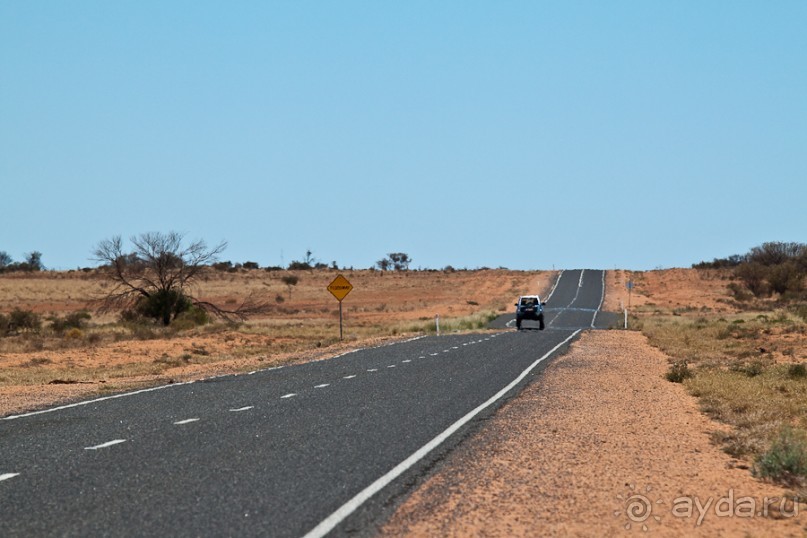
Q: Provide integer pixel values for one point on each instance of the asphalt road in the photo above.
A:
(318, 448)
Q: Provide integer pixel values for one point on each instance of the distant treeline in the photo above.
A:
(33, 262)
(770, 268)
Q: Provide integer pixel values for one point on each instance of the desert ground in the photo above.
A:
(45, 368)
(570, 455)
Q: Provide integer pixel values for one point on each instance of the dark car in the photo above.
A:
(530, 307)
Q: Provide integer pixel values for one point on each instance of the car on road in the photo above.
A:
(530, 307)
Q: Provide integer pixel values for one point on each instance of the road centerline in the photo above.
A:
(105, 445)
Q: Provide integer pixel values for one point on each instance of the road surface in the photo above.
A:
(308, 450)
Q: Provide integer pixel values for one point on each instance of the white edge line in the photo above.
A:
(8, 475)
(151, 389)
(602, 299)
(104, 445)
(557, 281)
(329, 523)
(580, 282)
(96, 400)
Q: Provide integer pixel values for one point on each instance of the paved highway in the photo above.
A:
(308, 450)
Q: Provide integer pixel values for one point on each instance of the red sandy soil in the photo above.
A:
(568, 456)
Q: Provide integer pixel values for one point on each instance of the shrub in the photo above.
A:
(800, 311)
(191, 318)
(751, 369)
(4, 325)
(24, 320)
(678, 372)
(163, 305)
(786, 459)
(74, 334)
(797, 371)
(74, 320)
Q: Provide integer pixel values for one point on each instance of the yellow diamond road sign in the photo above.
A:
(340, 287)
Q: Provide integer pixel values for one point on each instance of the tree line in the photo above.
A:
(771, 268)
(31, 263)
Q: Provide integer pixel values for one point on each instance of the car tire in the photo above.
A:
(541, 321)
(518, 324)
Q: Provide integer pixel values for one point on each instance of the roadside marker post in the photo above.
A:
(339, 288)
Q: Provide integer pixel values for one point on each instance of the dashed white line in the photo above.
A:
(186, 421)
(349, 377)
(6, 476)
(105, 445)
(247, 408)
(446, 351)
(407, 360)
(289, 395)
(433, 354)
(391, 366)
(322, 386)
(422, 357)
(373, 370)
(454, 347)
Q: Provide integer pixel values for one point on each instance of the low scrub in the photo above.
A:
(678, 372)
(786, 460)
(74, 320)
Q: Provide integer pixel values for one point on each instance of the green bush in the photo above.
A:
(191, 318)
(24, 320)
(797, 371)
(786, 459)
(678, 372)
(163, 305)
(4, 325)
(74, 320)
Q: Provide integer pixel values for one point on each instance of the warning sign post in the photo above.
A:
(339, 288)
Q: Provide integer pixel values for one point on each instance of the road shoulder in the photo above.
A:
(599, 432)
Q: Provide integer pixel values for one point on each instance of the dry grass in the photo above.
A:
(108, 355)
(747, 371)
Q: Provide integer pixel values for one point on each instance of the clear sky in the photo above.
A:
(635, 134)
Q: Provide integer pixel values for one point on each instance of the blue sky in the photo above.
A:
(529, 135)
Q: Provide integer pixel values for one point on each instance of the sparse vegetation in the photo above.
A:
(154, 280)
(32, 263)
(399, 261)
(74, 320)
(747, 369)
(290, 281)
(786, 460)
(123, 347)
(679, 371)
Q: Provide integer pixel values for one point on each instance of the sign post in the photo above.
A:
(339, 288)
(629, 285)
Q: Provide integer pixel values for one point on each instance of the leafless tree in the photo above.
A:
(155, 279)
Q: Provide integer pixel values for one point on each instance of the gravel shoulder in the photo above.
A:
(600, 445)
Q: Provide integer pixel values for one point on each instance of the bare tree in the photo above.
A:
(155, 279)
